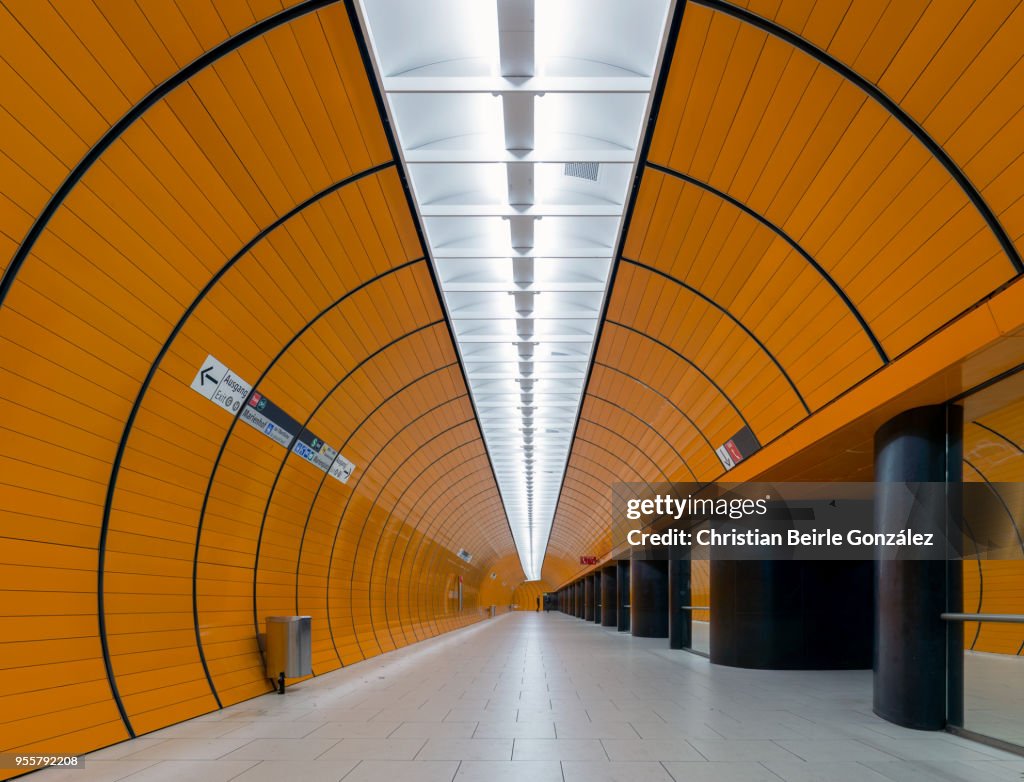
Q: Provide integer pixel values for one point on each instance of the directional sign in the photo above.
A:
(342, 468)
(220, 385)
(270, 419)
(725, 457)
(226, 389)
(314, 450)
(737, 448)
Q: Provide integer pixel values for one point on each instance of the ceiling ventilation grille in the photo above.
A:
(582, 170)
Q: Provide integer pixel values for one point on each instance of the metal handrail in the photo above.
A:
(694, 608)
(1002, 618)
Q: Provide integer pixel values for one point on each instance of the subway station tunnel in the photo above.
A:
(360, 310)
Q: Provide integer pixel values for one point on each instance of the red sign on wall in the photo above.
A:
(734, 452)
(588, 560)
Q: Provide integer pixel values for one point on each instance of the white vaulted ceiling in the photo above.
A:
(519, 124)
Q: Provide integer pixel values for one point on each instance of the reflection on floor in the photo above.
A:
(994, 695)
(547, 698)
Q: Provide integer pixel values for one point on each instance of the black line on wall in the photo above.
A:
(122, 445)
(661, 436)
(797, 247)
(358, 427)
(284, 459)
(674, 406)
(889, 105)
(231, 429)
(158, 93)
(467, 503)
(679, 355)
(708, 300)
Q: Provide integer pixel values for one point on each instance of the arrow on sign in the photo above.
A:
(205, 375)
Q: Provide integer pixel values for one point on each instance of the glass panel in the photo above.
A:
(993, 451)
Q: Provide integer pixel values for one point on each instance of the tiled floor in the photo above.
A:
(547, 698)
(994, 695)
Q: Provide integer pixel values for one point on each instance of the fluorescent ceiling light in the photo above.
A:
(519, 124)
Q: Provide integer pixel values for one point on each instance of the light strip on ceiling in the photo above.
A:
(519, 125)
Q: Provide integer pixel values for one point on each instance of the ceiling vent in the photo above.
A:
(582, 170)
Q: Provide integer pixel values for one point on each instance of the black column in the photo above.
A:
(579, 599)
(913, 645)
(609, 597)
(588, 598)
(597, 597)
(678, 604)
(648, 598)
(791, 615)
(622, 584)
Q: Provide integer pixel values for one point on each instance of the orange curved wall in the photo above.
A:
(827, 220)
(252, 209)
(525, 596)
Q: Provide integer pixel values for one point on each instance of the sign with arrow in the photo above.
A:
(220, 385)
(226, 389)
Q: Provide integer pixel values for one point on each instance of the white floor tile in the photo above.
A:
(605, 771)
(466, 749)
(374, 749)
(403, 771)
(649, 749)
(558, 749)
(509, 771)
(558, 697)
(299, 770)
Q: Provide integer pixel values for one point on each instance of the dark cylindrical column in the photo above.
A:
(609, 597)
(597, 597)
(791, 615)
(622, 584)
(579, 599)
(648, 598)
(913, 645)
(678, 604)
(588, 598)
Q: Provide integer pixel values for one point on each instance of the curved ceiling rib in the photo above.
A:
(689, 362)
(658, 434)
(664, 398)
(934, 148)
(786, 238)
(729, 315)
(157, 94)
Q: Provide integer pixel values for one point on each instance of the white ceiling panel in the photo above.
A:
(519, 125)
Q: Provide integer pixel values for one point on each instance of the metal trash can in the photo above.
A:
(289, 649)
(494, 611)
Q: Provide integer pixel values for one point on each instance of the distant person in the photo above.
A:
(538, 605)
